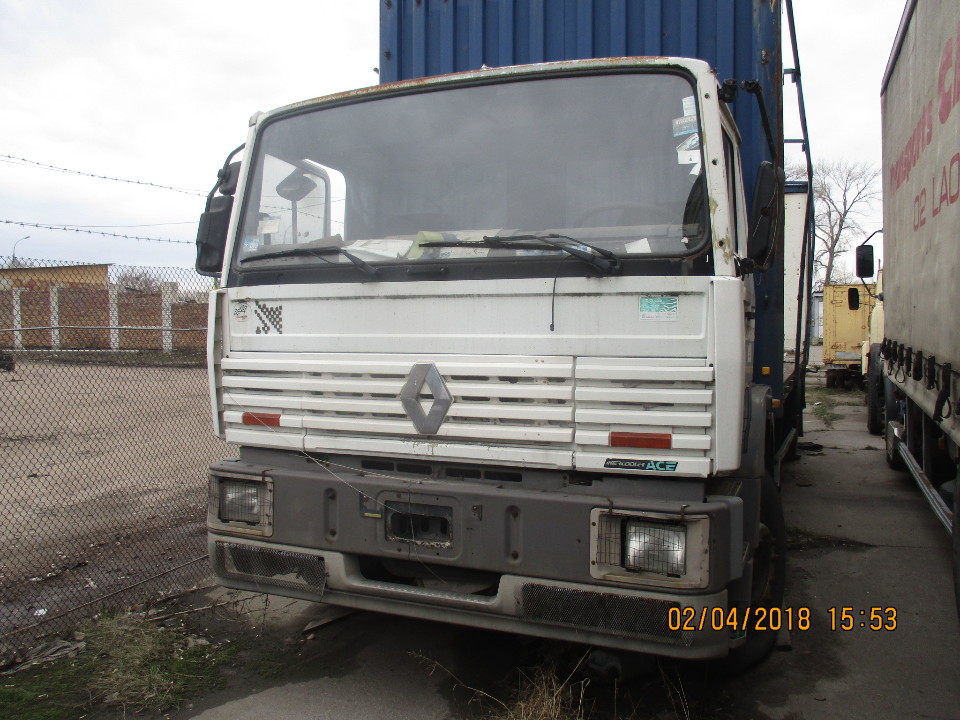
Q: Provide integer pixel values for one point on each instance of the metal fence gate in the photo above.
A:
(104, 442)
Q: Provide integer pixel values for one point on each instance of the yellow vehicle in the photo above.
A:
(844, 331)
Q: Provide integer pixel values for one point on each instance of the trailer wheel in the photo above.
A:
(875, 401)
(769, 573)
(956, 546)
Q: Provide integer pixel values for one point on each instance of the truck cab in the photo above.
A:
(485, 344)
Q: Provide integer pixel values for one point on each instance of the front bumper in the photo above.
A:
(637, 621)
(534, 542)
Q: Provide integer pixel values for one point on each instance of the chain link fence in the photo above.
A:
(105, 440)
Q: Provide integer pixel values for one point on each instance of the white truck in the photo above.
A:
(490, 355)
(917, 362)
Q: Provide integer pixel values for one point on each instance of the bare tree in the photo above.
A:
(843, 194)
(138, 280)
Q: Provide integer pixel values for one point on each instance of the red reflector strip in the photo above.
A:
(659, 441)
(270, 419)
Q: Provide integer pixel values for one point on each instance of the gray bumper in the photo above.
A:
(627, 619)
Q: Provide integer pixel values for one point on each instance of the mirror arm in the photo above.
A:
(223, 175)
(753, 87)
(745, 266)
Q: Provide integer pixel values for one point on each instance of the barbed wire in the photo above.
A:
(79, 229)
(184, 222)
(14, 160)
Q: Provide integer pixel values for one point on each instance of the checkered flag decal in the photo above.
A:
(270, 317)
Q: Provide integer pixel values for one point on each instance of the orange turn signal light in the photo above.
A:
(658, 441)
(255, 418)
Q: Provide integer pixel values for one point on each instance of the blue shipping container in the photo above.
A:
(740, 38)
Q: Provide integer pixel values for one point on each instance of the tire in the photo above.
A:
(769, 574)
(894, 459)
(891, 414)
(875, 400)
(956, 547)
(874, 411)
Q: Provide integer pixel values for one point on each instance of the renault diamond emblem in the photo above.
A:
(426, 423)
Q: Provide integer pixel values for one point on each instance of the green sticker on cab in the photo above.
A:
(659, 307)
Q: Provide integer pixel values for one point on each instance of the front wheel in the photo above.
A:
(769, 575)
(875, 400)
(956, 545)
(891, 418)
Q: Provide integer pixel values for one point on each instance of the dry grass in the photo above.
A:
(542, 695)
(129, 663)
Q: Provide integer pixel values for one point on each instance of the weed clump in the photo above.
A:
(128, 662)
(543, 695)
(148, 667)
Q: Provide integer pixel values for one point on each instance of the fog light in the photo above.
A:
(655, 547)
(240, 501)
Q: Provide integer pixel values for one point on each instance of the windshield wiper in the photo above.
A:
(600, 258)
(366, 268)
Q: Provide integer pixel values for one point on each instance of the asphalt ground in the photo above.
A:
(860, 537)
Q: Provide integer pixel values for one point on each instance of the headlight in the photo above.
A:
(240, 501)
(655, 547)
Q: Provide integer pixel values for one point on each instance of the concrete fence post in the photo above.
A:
(168, 291)
(17, 320)
(55, 317)
(114, 312)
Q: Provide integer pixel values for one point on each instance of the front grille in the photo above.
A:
(511, 400)
(675, 397)
(603, 612)
(559, 405)
(295, 571)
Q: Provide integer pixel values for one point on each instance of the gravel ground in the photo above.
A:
(102, 481)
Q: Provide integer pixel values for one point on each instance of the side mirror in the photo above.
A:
(229, 177)
(215, 220)
(865, 263)
(765, 214)
(853, 298)
(295, 186)
(212, 235)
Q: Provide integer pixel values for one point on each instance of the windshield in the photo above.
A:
(610, 161)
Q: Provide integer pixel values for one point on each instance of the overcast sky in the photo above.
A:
(161, 91)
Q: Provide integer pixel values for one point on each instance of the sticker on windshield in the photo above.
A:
(638, 246)
(250, 245)
(689, 106)
(269, 225)
(688, 151)
(684, 125)
(663, 308)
